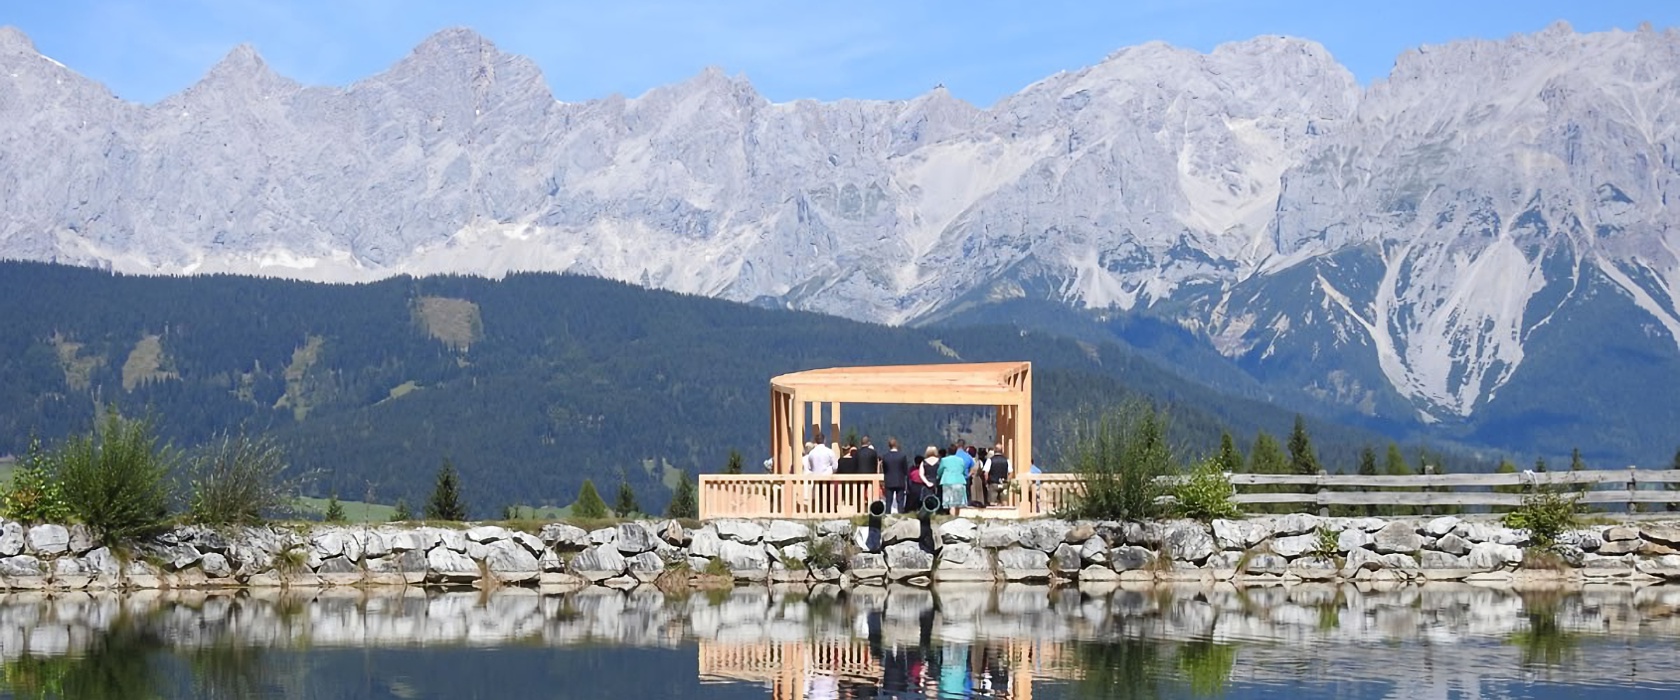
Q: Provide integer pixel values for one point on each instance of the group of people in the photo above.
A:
(958, 475)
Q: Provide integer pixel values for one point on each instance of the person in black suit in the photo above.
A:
(895, 475)
(868, 460)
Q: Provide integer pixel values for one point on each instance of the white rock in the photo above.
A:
(49, 539)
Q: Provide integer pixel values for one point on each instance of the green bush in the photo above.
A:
(1120, 453)
(1205, 493)
(335, 510)
(240, 480)
(685, 503)
(589, 504)
(1545, 513)
(117, 478)
(35, 495)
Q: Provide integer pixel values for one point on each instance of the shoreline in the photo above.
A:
(1258, 551)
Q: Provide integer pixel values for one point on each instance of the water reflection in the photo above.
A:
(1015, 643)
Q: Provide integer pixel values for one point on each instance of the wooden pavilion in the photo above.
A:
(797, 402)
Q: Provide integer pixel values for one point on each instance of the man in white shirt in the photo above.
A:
(819, 461)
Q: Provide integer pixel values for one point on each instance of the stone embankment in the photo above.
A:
(1253, 551)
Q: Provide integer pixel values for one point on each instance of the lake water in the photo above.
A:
(1018, 642)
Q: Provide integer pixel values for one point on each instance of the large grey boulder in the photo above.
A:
(742, 557)
(1188, 542)
(1045, 535)
(1067, 558)
(1491, 556)
(1094, 551)
(901, 530)
(1295, 524)
(603, 535)
(1442, 525)
(103, 562)
(1130, 558)
(215, 566)
(634, 538)
(1431, 559)
(506, 556)
(485, 534)
(1453, 544)
(705, 543)
(998, 535)
(445, 565)
(673, 533)
(962, 556)
(1396, 538)
(958, 530)
(783, 532)
(1662, 535)
(1240, 534)
(1353, 538)
(49, 539)
(563, 537)
(1620, 533)
(1020, 563)
(906, 559)
(328, 542)
(22, 565)
(742, 531)
(646, 562)
(598, 563)
(82, 540)
(1264, 563)
(1294, 545)
(1623, 546)
(11, 539)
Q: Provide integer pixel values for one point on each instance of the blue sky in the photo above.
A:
(980, 49)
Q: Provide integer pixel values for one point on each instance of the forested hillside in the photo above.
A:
(528, 384)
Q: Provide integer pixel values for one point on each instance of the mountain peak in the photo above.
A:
(454, 41)
(243, 60)
(14, 41)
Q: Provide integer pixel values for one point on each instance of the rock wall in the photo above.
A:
(1254, 551)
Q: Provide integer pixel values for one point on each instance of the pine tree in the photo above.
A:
(445, 503)
(1266, 457)
(335, 510)
(1303, 459)
(1394, 464)
(684, 504)
(402, 514)
(626, 505)
(589, 504)
(1230, 460)
(1506, 466)
(1540, 465)
(1368, 467)
(1575, 462)
(734, 465)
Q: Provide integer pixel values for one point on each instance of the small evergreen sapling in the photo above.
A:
(445, 503)
(589, 504)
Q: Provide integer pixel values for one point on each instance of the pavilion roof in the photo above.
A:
(954, 383)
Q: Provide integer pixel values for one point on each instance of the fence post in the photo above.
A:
(1428, 470)
(1632, 486)
(1323, 508)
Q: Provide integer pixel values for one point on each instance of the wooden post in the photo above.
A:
(834, 426)
(1632, 486)
(1428, 470)
(1323, 508)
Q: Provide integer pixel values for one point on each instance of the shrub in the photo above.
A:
(1546, 513)
(626, 504)
(403, 513)
(1120, 453)
(116, 479)
(1205, 493)
(36, 495)
(239, 480)
(1326, 543)
(824, 553)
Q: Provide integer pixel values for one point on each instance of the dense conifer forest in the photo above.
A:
(527, 384)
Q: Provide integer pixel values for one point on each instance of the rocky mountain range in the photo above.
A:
(1481, 242)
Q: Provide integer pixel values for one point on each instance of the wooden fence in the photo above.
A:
(805, 496)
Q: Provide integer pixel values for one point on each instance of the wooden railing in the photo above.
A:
(847, 495)
(1033, 495)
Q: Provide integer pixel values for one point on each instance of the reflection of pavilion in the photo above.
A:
(819, 669)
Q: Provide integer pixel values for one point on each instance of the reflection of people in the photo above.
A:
(820, 685)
